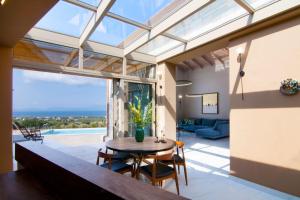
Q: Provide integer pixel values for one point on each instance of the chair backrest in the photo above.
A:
(104, 155)
(180, 145)
(163, 156)
(167, 155)
(22, 129)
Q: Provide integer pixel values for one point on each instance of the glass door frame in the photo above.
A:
(153, 101)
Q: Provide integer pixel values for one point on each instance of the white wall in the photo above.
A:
(206, 80)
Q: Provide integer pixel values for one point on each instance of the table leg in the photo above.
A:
(140, 158)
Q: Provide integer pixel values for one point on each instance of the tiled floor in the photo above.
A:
(207, 162)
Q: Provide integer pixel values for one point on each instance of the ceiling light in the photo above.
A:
(194, 95)
(2, 2)
(180, 83)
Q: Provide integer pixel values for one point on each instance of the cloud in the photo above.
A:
(101, 28)
(158, 3)
(75, 20)
(80, 20)
(33, 76)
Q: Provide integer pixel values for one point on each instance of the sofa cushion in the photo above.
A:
(223, 128)
(189, 121)
(206, 132)
(198, 121)
(208, 122)
(193, 128)
(181, 122)
(222, 120)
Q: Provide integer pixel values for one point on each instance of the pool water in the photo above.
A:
(75, 131)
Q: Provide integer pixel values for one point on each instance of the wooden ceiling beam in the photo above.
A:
(198, 63)
(188, 65)
(218, 58)
(206, 59)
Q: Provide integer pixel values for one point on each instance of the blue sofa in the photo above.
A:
(220, 130)
(209, 126)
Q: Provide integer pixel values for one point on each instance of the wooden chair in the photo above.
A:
(34, 134)
(159, 171)
(26, 134)
(115, 165)
(121, 156)
(180, 161)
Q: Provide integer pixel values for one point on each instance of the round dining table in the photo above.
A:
(148, 146)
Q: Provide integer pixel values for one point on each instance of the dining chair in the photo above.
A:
(158, 171)
(115, 165)
(121, 156)
(180, 160)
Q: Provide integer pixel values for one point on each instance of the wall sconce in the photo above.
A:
(240, 52)
(180, 98)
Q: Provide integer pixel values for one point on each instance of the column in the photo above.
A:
(166, 100)
(6, 158)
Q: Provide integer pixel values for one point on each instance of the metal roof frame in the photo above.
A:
(129, 52)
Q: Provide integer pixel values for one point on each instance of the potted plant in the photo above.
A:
(141, 117)
(289, 87)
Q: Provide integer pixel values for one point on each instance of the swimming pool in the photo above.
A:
(75, 131)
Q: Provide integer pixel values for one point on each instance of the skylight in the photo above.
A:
(158, 45)
(213, 15)
(139, 10)
(258, 3)
(65, 18)
(112, 32)
(91, 2)
(151, 27)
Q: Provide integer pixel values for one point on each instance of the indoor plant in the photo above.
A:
(141, 117)
(289, 87)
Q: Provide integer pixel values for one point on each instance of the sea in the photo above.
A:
(59, 114)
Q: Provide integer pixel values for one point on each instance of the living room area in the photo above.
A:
(202, 112)
(202, 87)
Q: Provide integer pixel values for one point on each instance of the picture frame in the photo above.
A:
(210, 103)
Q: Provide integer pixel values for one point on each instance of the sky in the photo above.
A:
(41, 91)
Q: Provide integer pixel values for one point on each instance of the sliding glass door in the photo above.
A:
(139, 100)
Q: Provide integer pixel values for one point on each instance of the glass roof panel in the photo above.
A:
(112, 32)
(91, 2)
(140, 69)
(258, 3)
(102, 62)
(211, 16)
(158, 45)
(139, 10)
(65, 18)
(42, 52)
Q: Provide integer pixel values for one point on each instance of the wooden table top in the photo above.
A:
(128, 144)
